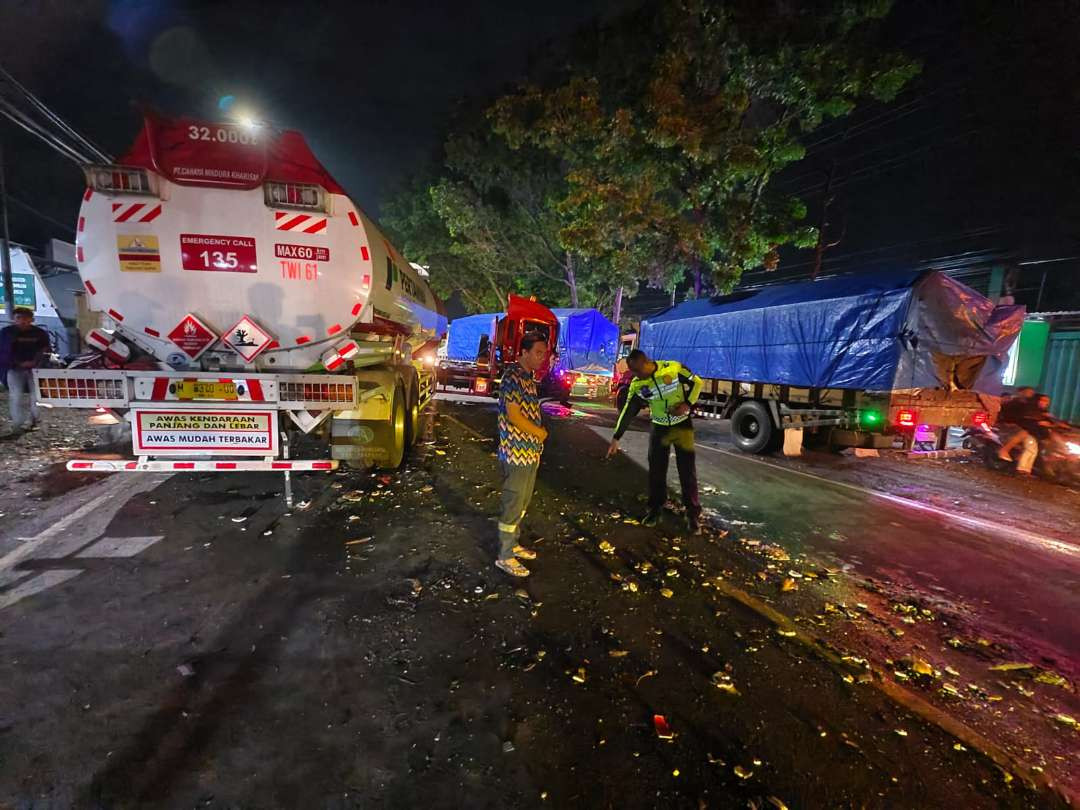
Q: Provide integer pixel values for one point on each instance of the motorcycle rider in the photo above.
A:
(1015, 412)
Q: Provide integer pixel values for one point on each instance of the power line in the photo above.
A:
(16, 116)
(41, 107)
(25, 205)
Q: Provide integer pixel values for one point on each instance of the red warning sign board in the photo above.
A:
(222, 254)
(192, 336)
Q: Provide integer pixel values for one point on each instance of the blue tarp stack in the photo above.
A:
(463, 336)
(588, 341)
(880, 331)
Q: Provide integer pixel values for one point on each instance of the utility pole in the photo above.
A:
(5, 257)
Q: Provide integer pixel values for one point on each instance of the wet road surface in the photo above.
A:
(206, 646)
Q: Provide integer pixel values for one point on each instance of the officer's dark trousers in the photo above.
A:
(662, 439)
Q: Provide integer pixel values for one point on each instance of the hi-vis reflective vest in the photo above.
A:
(670, 385)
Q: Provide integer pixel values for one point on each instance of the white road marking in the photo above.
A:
(43, 581)
(120, 546)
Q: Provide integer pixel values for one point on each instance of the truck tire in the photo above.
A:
(752, 429)
(398, 429)
(412, 432)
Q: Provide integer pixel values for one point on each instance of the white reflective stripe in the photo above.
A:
(315, 465)
(509, 528)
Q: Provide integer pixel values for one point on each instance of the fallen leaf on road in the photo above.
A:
(742, 772)
(921, 667)
(606, 547)
(1066, 720)
(775, 802)
(1011, 667)
(667, 593)
(786, 633)
(355, 495)
(358, 541)
(648, 674)
(1052, 678)
(788, 585)
(579, 676)
(617, 653)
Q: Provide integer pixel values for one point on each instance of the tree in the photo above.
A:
(668, 168)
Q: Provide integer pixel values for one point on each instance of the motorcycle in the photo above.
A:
(1059, 452)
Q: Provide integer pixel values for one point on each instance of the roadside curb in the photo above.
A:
(914, 703)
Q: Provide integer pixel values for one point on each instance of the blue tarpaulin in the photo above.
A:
(463, 336)
(587, 341)
(880, 331)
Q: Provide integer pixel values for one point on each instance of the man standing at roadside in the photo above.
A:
(521, 442)
(670, 390)
(22, 348)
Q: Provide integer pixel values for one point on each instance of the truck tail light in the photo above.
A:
(118, 180)
(980, 418)
(481, 386)
(905, 417)
(295, 195)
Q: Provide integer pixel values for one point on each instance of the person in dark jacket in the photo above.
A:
(23, 347)
(1014, 412)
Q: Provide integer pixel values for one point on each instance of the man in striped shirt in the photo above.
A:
(521, 442)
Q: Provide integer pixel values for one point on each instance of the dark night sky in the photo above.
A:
(978, 156)
(371, 84)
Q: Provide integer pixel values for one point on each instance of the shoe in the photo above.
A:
(651, 519)
(1004, 456)
(693, 526)
(513, 567)
(523, 553)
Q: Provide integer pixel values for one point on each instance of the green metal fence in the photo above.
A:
(1061, 374)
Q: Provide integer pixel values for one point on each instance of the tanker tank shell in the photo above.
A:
(308, 278)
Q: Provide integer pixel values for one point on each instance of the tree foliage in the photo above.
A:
(653, 158)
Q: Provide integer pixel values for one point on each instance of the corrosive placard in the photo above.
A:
(213, 432)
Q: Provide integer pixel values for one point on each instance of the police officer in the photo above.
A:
(670, 390)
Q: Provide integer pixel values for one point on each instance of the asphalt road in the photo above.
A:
(190, 641)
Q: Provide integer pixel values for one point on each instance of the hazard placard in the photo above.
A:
(192, 336)
(138, 253)
(247, 338)
(198, 431)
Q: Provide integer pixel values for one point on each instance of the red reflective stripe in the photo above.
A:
(116, 315)
(318, 226)
(273, 344)
(284, 226)
(322, 465)
(82, 224)
(356, 309)
(255, 387)
(225, 465)
(116, 206)
(88, 194)
(302, 339)
(183, 465)
(161, 388)
(279, 214)
(151, 332)
(364, 253)
(131, 465)
(134, 209)
(88, 284)
(79, 255)
(281, 465)
(154, 214)
(333, 330)
(353, 219)
(81, 465)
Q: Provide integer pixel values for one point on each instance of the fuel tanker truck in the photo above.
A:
(244, 299)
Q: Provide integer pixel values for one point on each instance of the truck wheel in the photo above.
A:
(752, 429)
(412, 432)
(398, 429)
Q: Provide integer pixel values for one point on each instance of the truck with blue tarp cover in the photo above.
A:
(588, 349)
(857, 360)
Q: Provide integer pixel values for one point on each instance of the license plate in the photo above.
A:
(189, 389)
